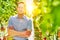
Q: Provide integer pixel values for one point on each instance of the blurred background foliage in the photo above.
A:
(7, 9)
(46, 16)
(46, 20)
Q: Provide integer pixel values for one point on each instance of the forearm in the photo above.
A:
(16, 33)
(20, 34)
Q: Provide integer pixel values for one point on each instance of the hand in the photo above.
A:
(10, 32)
(26, 33)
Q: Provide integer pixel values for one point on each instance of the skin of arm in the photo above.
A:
(12, 32)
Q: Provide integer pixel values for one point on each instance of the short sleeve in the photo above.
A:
(29, 25)
(10, 22)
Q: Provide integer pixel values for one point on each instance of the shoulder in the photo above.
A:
(12, 17)
(27, 18)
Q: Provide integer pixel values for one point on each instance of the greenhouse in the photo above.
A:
(45, 16)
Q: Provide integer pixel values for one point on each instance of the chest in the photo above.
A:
(20, 25)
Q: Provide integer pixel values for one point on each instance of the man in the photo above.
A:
(20, 26)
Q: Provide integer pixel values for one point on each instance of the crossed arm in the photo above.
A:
(12, 32)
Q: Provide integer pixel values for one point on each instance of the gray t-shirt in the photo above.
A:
(20, 25)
